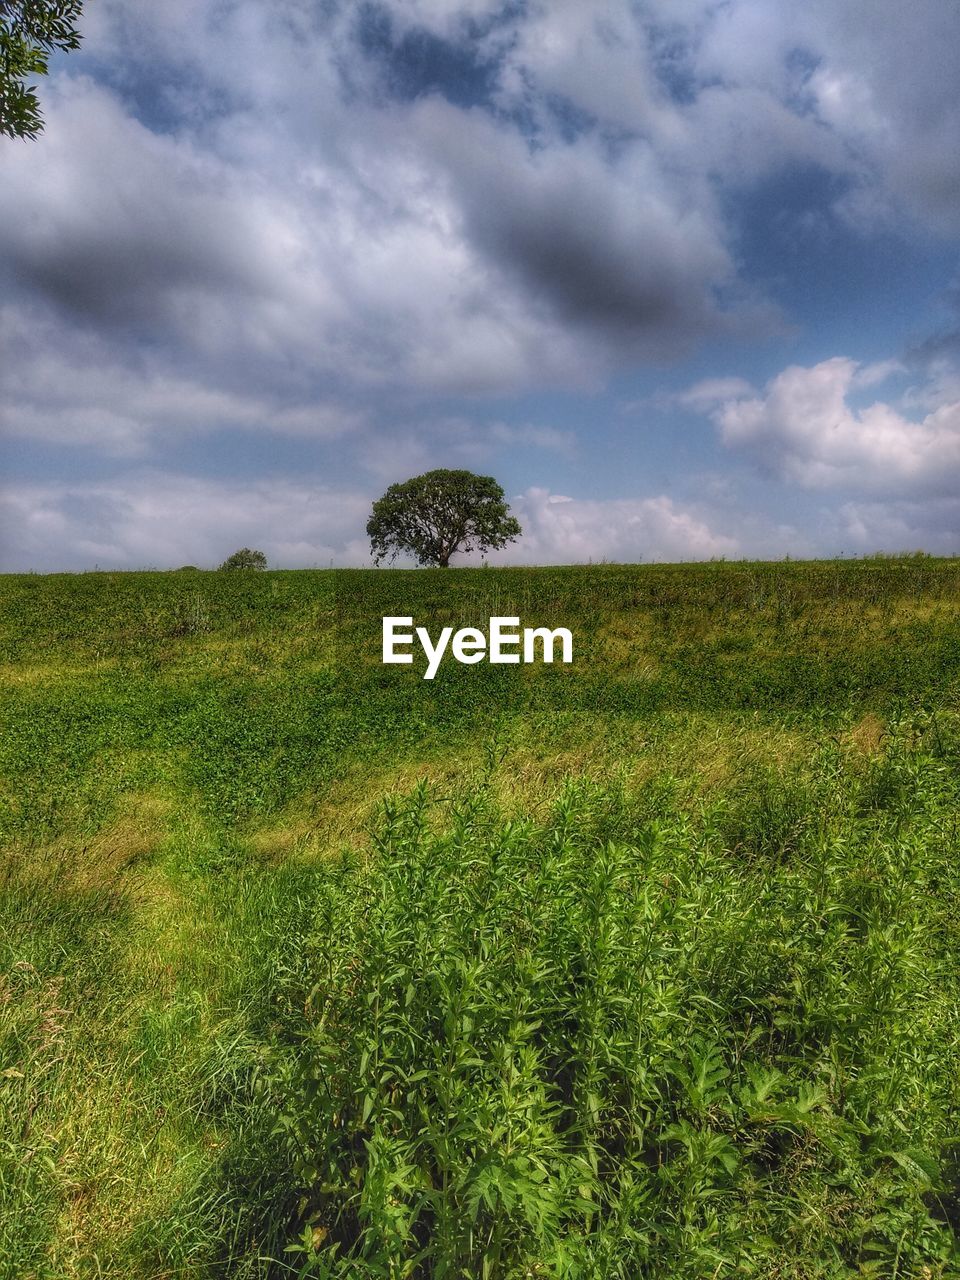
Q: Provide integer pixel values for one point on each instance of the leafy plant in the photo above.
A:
(529, 1050)
(30, 30)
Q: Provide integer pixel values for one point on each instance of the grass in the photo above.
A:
(641, 967)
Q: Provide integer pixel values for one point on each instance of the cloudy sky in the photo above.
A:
(681, 274)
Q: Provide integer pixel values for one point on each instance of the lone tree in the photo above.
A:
(436, 514)
(245, 559)
(30, 30)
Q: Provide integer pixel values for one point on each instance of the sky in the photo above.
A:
(682, 275)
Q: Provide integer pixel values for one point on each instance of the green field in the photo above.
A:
(648, 966)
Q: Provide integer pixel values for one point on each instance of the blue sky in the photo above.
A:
(682, 275)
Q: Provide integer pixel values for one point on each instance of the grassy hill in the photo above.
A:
(643, 966)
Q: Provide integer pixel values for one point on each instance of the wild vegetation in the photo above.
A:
(642, 966)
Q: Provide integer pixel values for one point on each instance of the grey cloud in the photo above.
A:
(866, 89)
(65, 386)
(877, 75)
(302, 278)
(118, 227)
(615, 248)
(560, 240)
(889, 85)
(426, 246)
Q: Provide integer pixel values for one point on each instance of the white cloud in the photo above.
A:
(898, 526)
(803, 428)
(155, 519)
(558, 529)
(709, 392)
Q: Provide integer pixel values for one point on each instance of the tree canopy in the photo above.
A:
(245, 558)
(30, 30)
(441, 512)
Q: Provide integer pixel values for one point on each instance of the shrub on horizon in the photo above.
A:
(245, 558)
